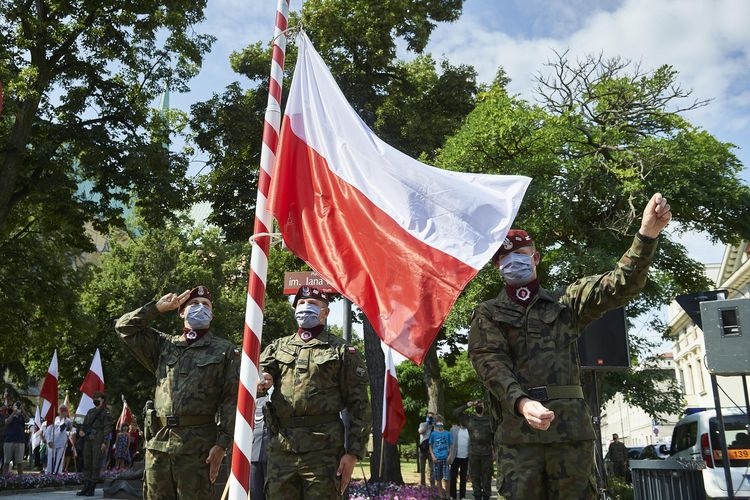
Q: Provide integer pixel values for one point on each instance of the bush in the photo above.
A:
(619, 489)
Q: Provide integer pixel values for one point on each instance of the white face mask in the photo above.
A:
(199, 316)
(517, 268)
(307, 315)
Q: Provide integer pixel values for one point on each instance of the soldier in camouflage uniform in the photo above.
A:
(191, 425)
(97, 424)
(315, 375)
(523, 345)
(618, 455)
(480, 448)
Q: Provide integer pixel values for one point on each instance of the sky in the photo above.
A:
(706, 41)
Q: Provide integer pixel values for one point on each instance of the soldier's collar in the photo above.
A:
(203, 340)
(321, 338)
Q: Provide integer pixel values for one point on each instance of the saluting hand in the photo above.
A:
(656, 216)
(172, 301)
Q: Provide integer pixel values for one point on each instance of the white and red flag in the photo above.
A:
(93, 382)
(399, 238)
(126, 416)
(394, 415)
(48, 392)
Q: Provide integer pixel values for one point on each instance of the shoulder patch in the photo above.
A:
(351, 350)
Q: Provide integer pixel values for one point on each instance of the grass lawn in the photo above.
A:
(408, 471)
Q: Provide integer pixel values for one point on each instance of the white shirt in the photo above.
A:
(462, 442)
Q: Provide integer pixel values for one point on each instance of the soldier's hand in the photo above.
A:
(171, 301)
(215, 456)
(536, 414)
(344, 473)
(656, 216)
(265, 382)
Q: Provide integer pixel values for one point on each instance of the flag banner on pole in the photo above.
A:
(37, 418)
(126, 416)
(48, 392)
(394, 415)
(94, 381)
(397, 237)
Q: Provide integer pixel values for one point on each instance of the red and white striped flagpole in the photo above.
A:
(239, 478)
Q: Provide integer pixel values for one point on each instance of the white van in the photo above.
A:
(696, 437)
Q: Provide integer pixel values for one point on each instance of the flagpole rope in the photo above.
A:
(239, 477)
(274, 237)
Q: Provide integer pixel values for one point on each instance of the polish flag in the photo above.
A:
(48, 393)
(94, 381)
(399, 238)
(126, 416)
(394, 415)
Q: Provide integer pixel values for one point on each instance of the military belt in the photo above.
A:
(185, 421)
(308, 421)
(547, 392)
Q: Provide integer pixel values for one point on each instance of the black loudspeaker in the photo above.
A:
(603, 345)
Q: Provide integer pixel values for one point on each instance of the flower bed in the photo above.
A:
(41, 480)
(359, 490)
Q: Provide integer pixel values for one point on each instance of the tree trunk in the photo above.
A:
(435, 399)
(391, 469)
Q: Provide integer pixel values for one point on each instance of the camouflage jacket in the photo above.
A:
(480, 434)
(514, 348)
(617, 452)
(313, 382)
(97, 424)
(194, 382)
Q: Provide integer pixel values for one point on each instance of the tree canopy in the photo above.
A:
(606, 136)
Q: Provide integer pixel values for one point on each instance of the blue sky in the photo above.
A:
(707, 41)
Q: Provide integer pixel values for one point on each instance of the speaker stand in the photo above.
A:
(601, 473)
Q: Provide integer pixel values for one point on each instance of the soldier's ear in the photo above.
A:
(537, 258)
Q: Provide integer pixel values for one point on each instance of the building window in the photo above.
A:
(690, 380)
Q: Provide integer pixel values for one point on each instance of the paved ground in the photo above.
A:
(48, 495)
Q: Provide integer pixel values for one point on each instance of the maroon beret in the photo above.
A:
(310, 292)
(198, 291)
(515, 239)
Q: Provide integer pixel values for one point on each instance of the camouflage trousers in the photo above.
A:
(551, 471)
(92, 460)
(297, 476)
(480, 470)
(173, 477)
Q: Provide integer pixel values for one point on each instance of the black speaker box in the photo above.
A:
(603, 345)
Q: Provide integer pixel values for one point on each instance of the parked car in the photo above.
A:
(654, 451)
(696, 437)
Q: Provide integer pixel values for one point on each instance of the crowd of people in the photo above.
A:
(449, 457)
(59, 447)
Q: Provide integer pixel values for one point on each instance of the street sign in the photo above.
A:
(294, 280)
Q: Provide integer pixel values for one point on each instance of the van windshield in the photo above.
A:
(738, 440)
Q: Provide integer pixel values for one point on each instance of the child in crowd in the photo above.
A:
(440, 445)
(122, 448)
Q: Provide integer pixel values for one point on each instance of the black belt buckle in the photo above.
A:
(173, 420)
(538, 393)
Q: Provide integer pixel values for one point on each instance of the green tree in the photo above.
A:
(606, 137)
(162, 260)
(79, 143)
